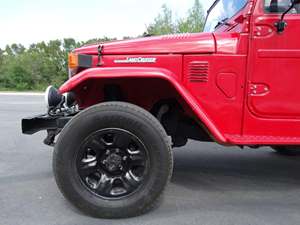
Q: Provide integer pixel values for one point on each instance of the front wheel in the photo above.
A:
(113, 160)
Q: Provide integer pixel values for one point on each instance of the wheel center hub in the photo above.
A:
(113, 162)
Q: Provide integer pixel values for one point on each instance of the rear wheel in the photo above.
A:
(287, 150)
(113, 160)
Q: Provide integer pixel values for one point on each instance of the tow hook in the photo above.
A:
(50, 139)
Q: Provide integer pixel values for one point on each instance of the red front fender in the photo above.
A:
(125, 72)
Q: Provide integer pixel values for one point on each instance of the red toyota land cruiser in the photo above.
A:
(127, 103)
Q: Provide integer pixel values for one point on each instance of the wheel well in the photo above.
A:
(156, 96)
(179, 125)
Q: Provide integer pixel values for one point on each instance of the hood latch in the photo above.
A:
(100, 49)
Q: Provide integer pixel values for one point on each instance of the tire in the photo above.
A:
(287, 150)
(116, 189)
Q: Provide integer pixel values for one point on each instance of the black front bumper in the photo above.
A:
(32, 125)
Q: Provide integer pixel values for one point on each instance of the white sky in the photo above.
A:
(30, 21)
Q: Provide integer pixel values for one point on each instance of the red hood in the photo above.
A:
(181, 43)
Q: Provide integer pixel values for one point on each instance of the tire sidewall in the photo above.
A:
(90, 121)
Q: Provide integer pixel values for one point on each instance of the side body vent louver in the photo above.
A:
(198, 71)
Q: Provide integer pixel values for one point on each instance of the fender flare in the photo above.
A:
(142, 72)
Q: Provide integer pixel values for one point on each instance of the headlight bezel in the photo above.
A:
(76, 62)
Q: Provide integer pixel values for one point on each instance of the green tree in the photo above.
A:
(17, 49)
(69, 44)
(163, 23)
(194, 22)
(33, 69)
(98, 40)
(1, 56)
(38, 66)
(8, 50)
(44, 63)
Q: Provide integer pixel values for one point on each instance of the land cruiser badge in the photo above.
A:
(136, 60)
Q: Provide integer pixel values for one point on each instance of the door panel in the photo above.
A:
(274, 90)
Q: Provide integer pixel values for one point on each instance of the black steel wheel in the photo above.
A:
(112, 163)
(113, 160)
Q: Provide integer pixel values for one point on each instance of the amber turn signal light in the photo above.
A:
(73, 60)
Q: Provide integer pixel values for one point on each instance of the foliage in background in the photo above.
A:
(38, 66)
(41, 64)
(165, 23)
(194, 22)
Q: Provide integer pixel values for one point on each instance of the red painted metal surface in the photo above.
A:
(273, 99)
(225, 112)
(240, 81)
(135, 72)
(168, 44)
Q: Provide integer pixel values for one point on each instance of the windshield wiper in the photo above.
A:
(223, 22)
(209, 10)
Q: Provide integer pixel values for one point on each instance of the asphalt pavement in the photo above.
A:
(211, 184)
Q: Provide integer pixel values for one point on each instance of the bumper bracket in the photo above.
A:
(32, 125)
